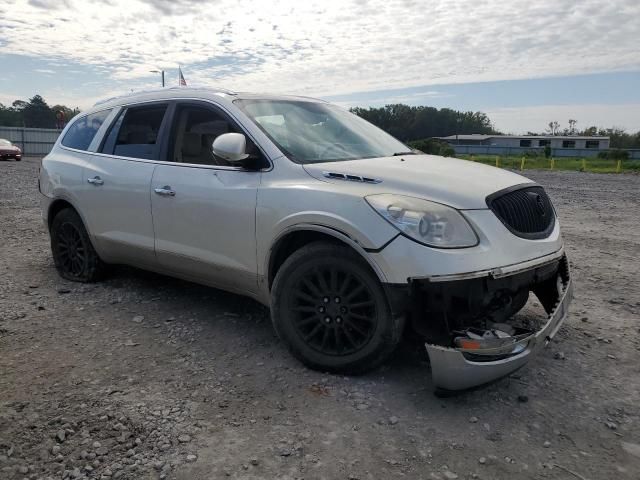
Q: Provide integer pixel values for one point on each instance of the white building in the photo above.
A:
(562, 146)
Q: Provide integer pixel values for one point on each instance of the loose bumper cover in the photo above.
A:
(441, 308)
(459, 369)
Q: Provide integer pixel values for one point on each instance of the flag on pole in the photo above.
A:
(181, 81)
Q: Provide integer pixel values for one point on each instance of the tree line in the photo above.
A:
(35, 113)
(409, 123)
(416, 125)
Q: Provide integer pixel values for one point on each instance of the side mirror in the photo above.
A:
(230, 147)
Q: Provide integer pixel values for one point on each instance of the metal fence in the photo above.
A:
(33, 141)
(555, 152)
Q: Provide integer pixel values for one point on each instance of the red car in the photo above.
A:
(9, 150)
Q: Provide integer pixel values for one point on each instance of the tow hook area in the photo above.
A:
(478, 356)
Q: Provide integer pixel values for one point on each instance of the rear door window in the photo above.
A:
(81, 132)
(136, 133)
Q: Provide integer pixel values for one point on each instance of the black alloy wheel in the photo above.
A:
(330, 309)
(73, 254)
(334, 311)
(71, 251)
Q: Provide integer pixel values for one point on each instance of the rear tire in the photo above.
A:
(330, 309)
(73, 254)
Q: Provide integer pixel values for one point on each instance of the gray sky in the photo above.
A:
(75, 52)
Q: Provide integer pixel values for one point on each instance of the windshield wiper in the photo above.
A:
(397, 154)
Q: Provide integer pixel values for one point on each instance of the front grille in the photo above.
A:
(526, 211)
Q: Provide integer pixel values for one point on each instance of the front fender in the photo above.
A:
(327, 230)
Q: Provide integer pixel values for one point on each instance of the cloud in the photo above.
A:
(328, 47)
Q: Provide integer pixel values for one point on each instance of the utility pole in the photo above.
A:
(160, 72)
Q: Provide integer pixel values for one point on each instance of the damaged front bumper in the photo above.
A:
(444, 309)
(459, 369)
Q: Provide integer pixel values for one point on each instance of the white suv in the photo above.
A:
(347, 234)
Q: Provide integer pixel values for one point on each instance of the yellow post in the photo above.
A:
(473, 158)
(584, 164)
(522, 164)
(497, 161)
(552, 162)
(619, 166)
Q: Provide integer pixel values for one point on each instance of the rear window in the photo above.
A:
(135, 133)
(81, 133)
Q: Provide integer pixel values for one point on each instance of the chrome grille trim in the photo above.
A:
(525, 210)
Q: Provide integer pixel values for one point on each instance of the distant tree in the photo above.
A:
(572, 126)
(553, 128)
(409, 123)
(33, 113)
(10, 117)
(38, 114)
(19, 105)
(619, 138)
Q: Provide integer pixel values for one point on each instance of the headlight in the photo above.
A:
(429, 223)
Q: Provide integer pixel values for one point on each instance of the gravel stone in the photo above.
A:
(77, 363)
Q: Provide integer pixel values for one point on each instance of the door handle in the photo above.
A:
(165, 191)
(95, 180)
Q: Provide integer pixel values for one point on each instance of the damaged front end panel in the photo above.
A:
(477, 330)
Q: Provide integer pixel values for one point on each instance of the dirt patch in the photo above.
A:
(144, 377)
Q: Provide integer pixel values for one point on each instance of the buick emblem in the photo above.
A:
(539, 203)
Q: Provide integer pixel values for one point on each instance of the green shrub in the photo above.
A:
(547, 151)
(433, 147)
(447, 151)
(614, 154)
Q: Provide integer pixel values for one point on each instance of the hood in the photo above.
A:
(9, 148)
(458, 183)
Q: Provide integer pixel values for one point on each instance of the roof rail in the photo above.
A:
(213, 89)
(164, 89)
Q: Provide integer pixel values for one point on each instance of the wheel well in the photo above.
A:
(55, 208)
(294, 241)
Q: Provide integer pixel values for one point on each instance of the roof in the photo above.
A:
(479, 136)
(192, 92)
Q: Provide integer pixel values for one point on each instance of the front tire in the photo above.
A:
(330, 309)
(73, 254)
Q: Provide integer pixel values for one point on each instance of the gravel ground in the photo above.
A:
(144, 377)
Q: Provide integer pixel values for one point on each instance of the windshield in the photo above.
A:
(5, 143)
(311, 132)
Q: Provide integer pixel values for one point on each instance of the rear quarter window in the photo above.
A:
(81, 132)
